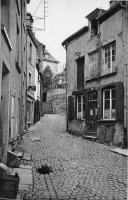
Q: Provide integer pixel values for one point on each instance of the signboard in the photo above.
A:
(32, 88)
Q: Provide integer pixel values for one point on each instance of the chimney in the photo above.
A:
(112, 2)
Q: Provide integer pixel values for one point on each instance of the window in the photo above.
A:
(110, 54)
(30, 51)
(17, 43)
(80, 73)
(44, 97)
(5, 15)
(30, 79)
(109, 110)
(94, 28)
(81, 107)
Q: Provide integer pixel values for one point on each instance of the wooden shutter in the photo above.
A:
(75, 113)
(119, 101)
(80, 73)
(100, 105)
(70, 108)
(86, 105)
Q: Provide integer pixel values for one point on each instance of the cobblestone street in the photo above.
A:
(82, 169)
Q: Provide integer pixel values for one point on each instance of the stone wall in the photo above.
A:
(59, 103)
(77, 127)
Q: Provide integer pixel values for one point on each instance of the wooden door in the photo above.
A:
(13, 117)
(92, 112)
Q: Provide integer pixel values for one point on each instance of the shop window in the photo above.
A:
(109, 102)
(81, 107)
(110, 56)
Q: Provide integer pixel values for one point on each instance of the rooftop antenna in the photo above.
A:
(45, 11)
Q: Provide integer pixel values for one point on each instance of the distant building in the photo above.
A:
(46, 60)
(49, 60)
(33, 79)
(96, 76)
(12, 73)
(40, 52)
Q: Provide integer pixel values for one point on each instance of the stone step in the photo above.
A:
(90, 137)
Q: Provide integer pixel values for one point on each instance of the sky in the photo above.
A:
(64, 17)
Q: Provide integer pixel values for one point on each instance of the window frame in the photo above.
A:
(30, 81)
(109, 59)
(110, 99)
(30, 51)
(81, 114)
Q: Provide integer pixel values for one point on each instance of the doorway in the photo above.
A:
(12, 117)
(92, 112)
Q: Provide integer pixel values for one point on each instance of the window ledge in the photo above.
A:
(80, 120)
(107, 120)
(6, 36)
(102, 76)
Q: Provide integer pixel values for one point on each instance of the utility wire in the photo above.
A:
(38, 7)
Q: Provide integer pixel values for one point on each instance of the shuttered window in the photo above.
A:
(80, 107)
(109, 110)
(111, 102)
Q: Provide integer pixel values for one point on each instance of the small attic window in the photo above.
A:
(46, 55)
(94, 28)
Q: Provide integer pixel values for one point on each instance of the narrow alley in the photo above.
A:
(80, 169)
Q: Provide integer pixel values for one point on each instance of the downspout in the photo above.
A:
(66, 92)
(21, 109)
(126, 77)
(26, 126)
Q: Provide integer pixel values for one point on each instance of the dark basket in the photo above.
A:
(9, 186)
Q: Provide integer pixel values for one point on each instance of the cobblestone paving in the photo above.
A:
(82, 169)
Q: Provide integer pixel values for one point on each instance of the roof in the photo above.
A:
(113, 9)
(50, 57)
(94, 14)
(32, 36)
(41, 44)
(75, 35)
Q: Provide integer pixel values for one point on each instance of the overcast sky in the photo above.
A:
(65, 17)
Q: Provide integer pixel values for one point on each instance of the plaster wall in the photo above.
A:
(110, 30)
(77, 45)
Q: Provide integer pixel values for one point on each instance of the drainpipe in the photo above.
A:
(66, 92)
(126, 76)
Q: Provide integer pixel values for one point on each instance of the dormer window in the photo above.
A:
(92, 20)
(94, 28)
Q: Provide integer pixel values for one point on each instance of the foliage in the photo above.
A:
(47, 78)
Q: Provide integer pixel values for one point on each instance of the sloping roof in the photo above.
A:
(32, 36)
(94, 14)
(110, 11)
(39, 43)
(75, 35)
(50, 57)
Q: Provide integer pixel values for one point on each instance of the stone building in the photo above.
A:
(46, 60)
(40, 55)
(58, 93)
(32, 72)
(12, 73)
(97, 62)
(49, 60)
